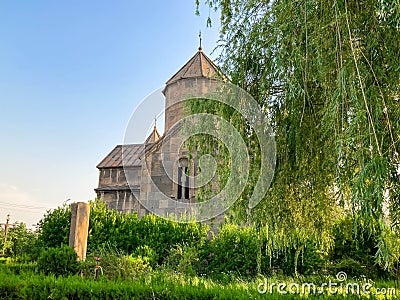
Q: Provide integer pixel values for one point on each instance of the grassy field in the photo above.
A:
(22, 281)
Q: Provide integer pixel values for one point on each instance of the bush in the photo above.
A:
(354, 252)
(233, 250)
(60, 261)
(18, 268)
(131, 266)
(123, 231)
(115, 265)
(183, 259)
(54, 228)
(350, 266)
(149, 253)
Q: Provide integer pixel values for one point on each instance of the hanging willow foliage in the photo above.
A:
(328, 75)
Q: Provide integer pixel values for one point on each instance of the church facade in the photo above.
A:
(158, 176)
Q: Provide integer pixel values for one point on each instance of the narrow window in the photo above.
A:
(179, 196)
(183, 180)
(186, 184)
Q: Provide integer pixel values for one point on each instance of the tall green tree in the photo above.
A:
(327, 73)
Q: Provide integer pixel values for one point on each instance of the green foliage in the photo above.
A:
(348, 244)
(355, 250)
(183, 259)
(313, 260)
(326, 72)
(20, 242)
(61, 261)
(115, 265)
(351, 267)
(149, 253)
(237, 250)
(111, 227)
(244, 251)
(234, 250)
(151, 236)
(392, 246)
(133, 266)
(53, 228)
(157, 285)
(17, 268)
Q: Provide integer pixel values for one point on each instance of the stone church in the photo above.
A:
(158, 176)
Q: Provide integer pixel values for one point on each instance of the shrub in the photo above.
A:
(54, 228)
(183, 259)
(123, 231)
(115, 265)
(162, 235)
(350, 266)
(149, 253)
(354, 252)
(131, 266)
(60, 261)
(233, 250)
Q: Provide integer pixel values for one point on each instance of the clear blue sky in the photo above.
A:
(71, 74)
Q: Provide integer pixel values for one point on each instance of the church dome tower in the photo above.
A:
(198, 73)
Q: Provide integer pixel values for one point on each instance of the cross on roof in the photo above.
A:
(200, 40)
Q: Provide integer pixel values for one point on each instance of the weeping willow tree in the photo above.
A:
(327, 73)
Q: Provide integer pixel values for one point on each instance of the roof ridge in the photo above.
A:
(133, 144)
(201, 61)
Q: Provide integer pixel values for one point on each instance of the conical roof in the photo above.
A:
(200, 65)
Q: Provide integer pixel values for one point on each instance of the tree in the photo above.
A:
(20, 241)
(326, 72)
(53, 228)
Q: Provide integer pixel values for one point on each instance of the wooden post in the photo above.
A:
(79, 228)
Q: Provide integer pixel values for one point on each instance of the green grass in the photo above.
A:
(22, 282)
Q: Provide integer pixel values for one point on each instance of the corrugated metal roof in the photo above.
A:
(124, 187)
(130, 154)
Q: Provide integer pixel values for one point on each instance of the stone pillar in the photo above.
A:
(79, 228)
